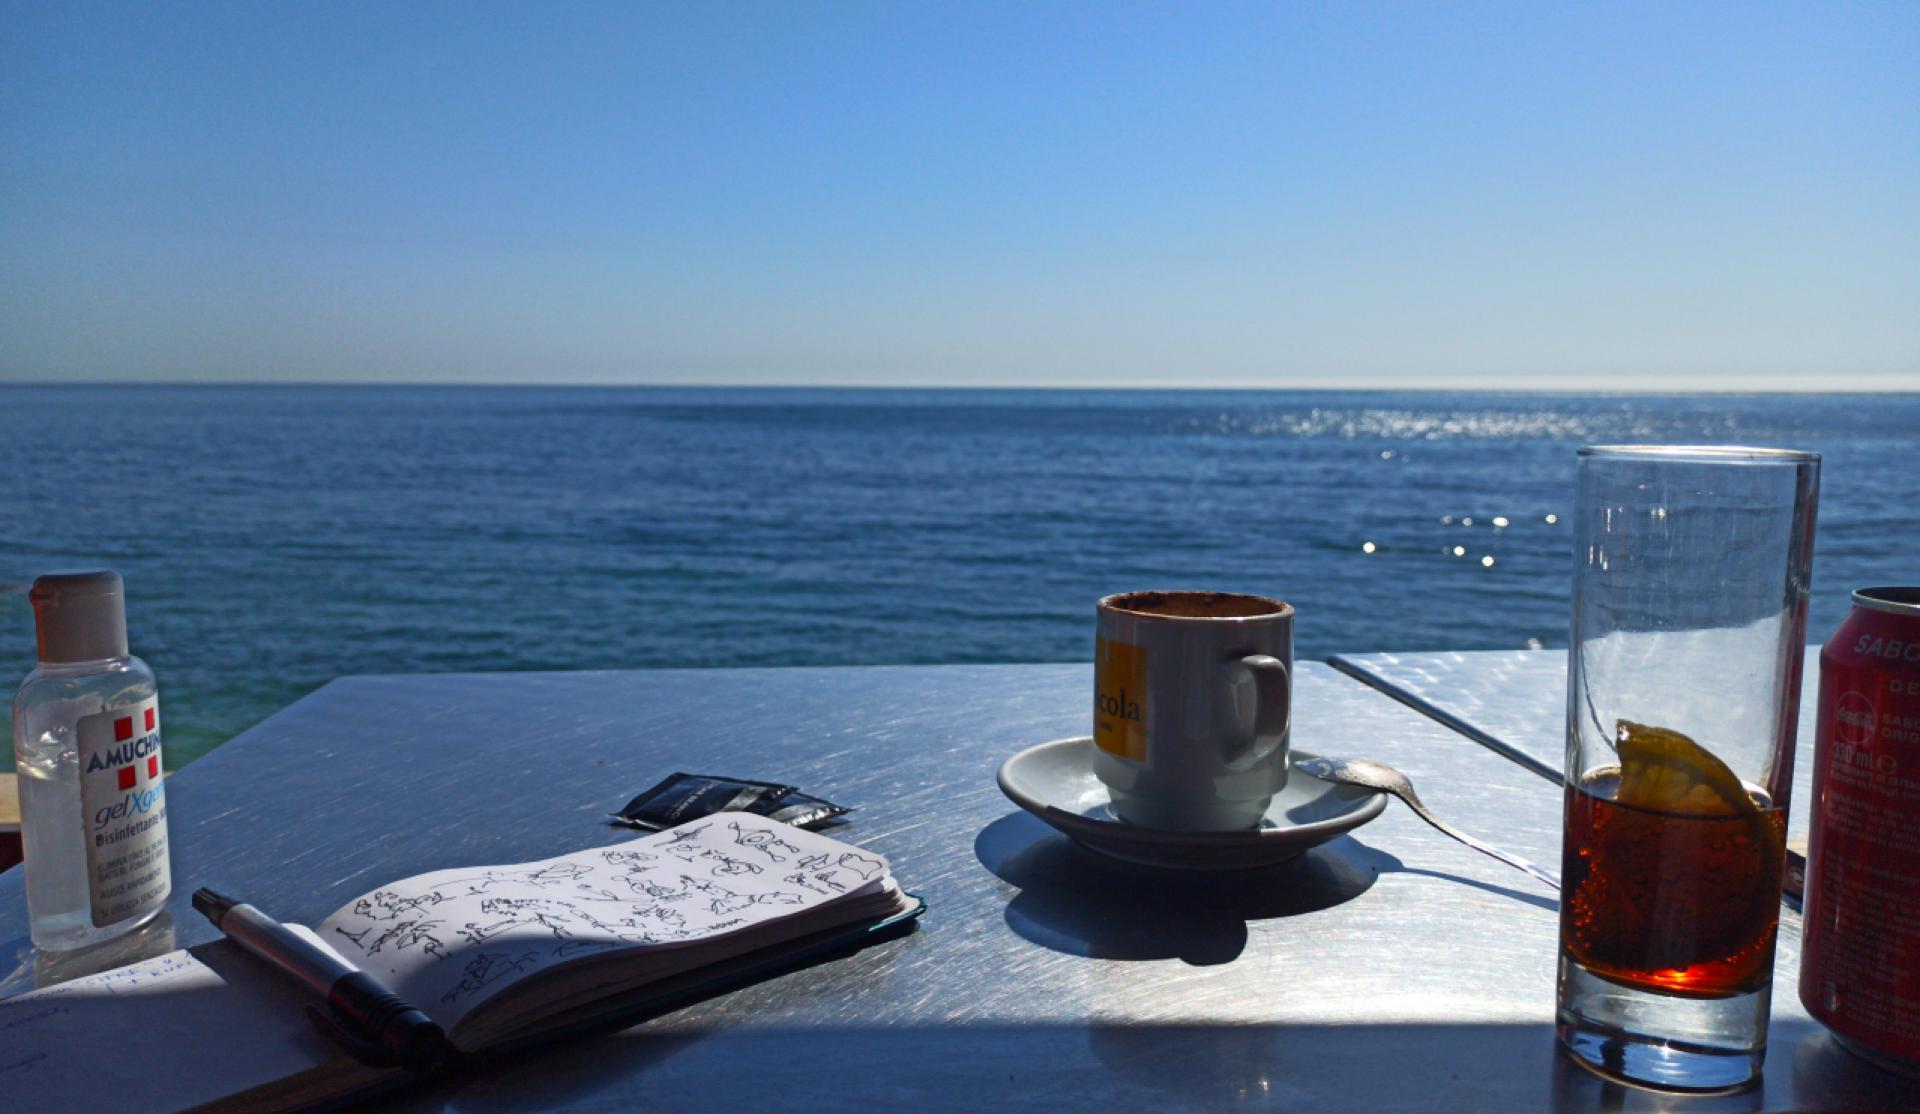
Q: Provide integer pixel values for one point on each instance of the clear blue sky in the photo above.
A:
(1532, 195)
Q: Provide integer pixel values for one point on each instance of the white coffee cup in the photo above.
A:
(1193, 698)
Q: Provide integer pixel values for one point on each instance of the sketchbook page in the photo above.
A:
(172, 1032)
(451, 940)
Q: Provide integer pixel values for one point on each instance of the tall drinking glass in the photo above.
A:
(1691, 568)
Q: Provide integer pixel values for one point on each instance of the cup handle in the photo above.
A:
(1272, 708)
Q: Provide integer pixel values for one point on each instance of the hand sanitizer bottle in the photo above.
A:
(86, 747)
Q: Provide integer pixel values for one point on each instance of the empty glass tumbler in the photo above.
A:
(1691, 569)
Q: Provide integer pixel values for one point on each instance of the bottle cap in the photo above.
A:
(79, 616)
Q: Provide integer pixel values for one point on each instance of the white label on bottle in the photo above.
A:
(124, 811)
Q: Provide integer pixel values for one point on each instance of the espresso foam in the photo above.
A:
(1196, 605)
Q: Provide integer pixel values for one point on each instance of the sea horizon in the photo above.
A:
(383, 383)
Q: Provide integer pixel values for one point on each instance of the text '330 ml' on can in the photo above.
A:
(1860, 962)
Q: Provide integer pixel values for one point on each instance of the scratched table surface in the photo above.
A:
(1514, 702)
(1392, 969)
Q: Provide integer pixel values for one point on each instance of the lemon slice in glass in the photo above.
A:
(1664, 771)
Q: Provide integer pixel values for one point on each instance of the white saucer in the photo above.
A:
(1055, 782)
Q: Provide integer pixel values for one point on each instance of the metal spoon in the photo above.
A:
(1386, 779)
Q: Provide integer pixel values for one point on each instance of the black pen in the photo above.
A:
(375, 1024)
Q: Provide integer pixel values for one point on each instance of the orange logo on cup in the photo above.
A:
(1119, 687)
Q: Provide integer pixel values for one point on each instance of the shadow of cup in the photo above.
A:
(1080, 903)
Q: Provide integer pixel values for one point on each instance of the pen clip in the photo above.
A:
(373, 1053)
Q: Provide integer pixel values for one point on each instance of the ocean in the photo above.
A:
(273, 538)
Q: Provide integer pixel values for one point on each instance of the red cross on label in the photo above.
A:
(153, 763)
(123, 729)
(150, 719)
(127, 774)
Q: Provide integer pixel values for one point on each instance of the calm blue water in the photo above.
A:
(273, 538)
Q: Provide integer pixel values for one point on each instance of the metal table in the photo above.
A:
(1390, 970)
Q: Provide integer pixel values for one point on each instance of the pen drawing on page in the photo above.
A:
(763, 841)
(385, 906)
(553, 874)
(866, 866)
(729, 864)
(685, 842)
(506, 913)
(486, 968)
(822, 883)
(722, 900)
(459, 936)
(628, 859)
(416, 933)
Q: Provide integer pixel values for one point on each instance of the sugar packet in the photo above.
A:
(682, 797)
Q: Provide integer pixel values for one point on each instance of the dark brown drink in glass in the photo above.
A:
(1681, 904)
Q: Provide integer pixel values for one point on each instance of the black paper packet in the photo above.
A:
(683, 797)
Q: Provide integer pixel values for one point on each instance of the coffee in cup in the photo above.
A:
(1193, 698)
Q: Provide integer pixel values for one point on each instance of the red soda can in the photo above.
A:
(1860, 959)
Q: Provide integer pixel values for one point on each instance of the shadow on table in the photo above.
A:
(1824, 1071)
(1080, 903)
(1374, 1067)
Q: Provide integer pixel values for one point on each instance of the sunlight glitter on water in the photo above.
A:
(1429, 425)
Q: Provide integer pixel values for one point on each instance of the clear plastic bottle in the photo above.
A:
(86, 747)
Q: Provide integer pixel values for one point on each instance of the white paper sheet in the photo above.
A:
(174, 1031)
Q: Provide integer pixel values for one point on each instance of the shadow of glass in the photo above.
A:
(1079, 903)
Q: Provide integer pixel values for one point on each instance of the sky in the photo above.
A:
(1026, 194)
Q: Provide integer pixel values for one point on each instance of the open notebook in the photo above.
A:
(497, 955)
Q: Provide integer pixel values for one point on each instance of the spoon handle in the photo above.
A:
(1485, 849)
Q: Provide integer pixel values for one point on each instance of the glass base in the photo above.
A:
(76, 932)
(1660, 1040)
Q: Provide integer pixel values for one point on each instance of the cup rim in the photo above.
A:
(1702, 454)
(1279, 609)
